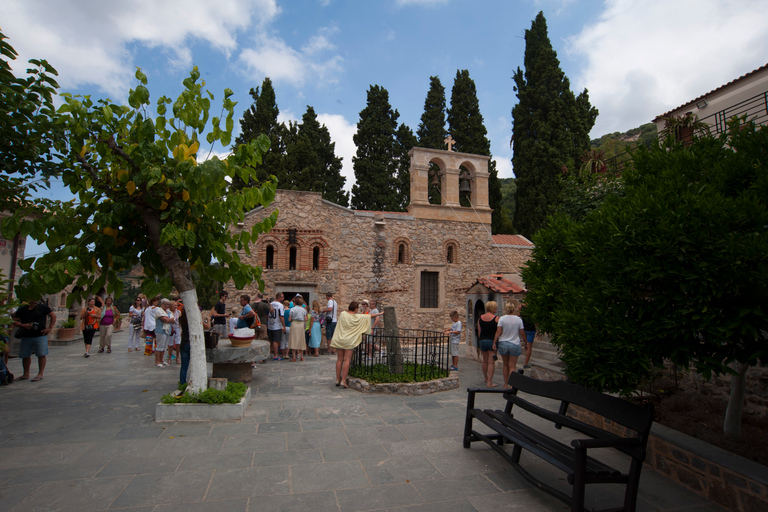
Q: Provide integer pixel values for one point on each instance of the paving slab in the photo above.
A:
(85, 438)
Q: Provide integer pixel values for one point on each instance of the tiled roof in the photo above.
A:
(499, 284)
(694, 100)
(511, 240)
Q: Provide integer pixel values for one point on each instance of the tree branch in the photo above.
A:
(87, 167)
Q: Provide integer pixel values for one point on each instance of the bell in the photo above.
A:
(465, 187)
(435, 180)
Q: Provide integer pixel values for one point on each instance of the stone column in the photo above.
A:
(419, 183)
(450, 188)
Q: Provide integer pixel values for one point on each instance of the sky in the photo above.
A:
(637, 58)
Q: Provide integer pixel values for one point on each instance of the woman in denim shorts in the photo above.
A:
(508, 338)
(487, 325)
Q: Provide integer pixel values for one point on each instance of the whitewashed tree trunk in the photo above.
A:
(732, 423)
(197, 375)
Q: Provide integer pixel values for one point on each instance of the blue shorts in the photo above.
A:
(37, 345)
(330, 328)
(507, 348)
(486, 345)
(530, 335)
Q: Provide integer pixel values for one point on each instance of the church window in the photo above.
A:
(316, 258)
(429, 289)
(401, 253)
(449, 254)
(270, 263)
(292, 257)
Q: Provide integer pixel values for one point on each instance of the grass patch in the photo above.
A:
(380, 374)
(233, 394)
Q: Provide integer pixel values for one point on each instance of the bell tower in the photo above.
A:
(452, 180)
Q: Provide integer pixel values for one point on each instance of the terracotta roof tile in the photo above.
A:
(499, 285)
(511, 240)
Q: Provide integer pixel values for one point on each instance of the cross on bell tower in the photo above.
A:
(449, 140)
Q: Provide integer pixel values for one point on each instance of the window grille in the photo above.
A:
(429, 290)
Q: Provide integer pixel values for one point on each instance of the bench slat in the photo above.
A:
(564, 452)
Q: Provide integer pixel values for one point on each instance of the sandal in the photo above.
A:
(109, 351)
(101, 350)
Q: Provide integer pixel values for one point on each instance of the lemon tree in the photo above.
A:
(146, 195)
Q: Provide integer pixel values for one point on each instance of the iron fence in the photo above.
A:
(412, 352)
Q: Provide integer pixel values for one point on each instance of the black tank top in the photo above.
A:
(488, 329)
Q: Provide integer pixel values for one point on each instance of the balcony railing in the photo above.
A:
(754, 108)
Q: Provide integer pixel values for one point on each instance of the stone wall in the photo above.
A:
(359, 257)
(736, 483)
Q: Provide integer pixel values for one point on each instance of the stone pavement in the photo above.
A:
(84, 439)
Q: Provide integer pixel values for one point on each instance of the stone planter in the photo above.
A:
(202, 412)
(66, 333)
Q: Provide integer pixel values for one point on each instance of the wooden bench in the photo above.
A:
(580, 468)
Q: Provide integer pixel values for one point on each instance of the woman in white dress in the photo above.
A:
(296, 340)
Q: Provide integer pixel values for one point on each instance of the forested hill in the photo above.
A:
(615, 143)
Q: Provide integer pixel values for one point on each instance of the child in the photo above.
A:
(455, 338)
(233, 321)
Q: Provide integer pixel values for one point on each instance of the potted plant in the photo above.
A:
(67, 329)
(682, 128)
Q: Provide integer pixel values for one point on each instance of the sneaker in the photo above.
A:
(160, 365)
(86, 355)
(453, 369)
(277, 359)
(526, 366)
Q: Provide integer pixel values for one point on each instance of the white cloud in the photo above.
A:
(342, 133)
(271, 56)
(94, 48)
(645, 58)
(504, 166)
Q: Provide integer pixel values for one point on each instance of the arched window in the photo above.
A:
(402, 251)
(316, 258)
(449, 254)
(270, 263)
(292, 253)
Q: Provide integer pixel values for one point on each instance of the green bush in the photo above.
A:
(233, 394)
(380, 374)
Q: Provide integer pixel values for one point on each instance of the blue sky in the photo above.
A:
(637, 58)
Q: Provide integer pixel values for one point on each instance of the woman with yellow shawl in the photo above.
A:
(348, 335)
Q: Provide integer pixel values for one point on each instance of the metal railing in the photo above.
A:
(412, 352)
(754, 108)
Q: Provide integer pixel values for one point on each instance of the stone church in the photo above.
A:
(423, 261)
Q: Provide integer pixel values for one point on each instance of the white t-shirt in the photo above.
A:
(456, 338)
(149, 318)
(275, 315)
(511, 326)
(298, 314)
(335, 313)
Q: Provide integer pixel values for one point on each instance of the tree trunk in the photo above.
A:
(732, 423)
(198, 370)
(181, 276)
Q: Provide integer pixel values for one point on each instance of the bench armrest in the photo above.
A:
(606, 443)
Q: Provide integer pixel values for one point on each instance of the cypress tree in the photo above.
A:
(432, 132)
(405, 141)
(375, 161)
(260, 118)
(551, 129)
(311, 161)
(465, 124)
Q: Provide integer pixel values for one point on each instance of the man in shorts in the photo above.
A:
(219, 315)
(276, 326)
(331, 317)
(262, 311)
(34, 336)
